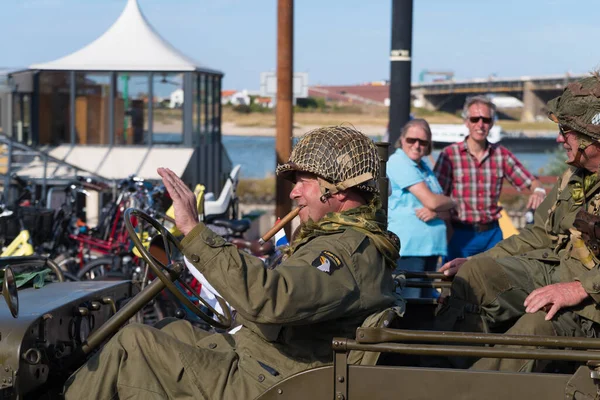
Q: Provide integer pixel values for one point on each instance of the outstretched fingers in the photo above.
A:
(184, 200)
(172, 182)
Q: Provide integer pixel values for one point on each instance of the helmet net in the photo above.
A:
(340, 155)
(578, 107)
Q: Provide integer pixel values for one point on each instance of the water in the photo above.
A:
(536, 163)
(256, 154)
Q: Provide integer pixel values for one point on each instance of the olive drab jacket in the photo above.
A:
(290, 314)
(554, 240)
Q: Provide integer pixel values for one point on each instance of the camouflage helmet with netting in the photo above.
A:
(342, 157)
(578, 107)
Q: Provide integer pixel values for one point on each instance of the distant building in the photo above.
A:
(226, 96)
(176, 100)
(376, 93)
(266, 102)
(235, 98)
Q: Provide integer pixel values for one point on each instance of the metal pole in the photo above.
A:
(284, 116)
(383, 182)
(381, 335)
(7, 177)
(205, 136)
(8, 126)
(72, 92)
(218, 137)
(188, 109)
(150, 108)
(216, 167)
(400, 67)
(125, 79)
(45, 177)
(125, 313)
(471, 351)
(210, 155)
(111, 108)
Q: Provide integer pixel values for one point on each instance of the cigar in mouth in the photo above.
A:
(283, 222)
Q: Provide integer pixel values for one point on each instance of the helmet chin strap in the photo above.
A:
(578, 155)
(325, 196)
(328, 189)
(583, 143)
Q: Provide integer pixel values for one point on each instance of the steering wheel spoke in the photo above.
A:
(205, 303)
(166, 246)
(169, 272)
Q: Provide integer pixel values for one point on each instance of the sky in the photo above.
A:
(336, 41)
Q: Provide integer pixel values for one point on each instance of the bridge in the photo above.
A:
(535, 92)
(449, 94)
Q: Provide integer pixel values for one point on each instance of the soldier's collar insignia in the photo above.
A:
(327, 262)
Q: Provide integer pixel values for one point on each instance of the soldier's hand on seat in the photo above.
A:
(184, 200)
(552, 298)
(452, 267)
(425, 214)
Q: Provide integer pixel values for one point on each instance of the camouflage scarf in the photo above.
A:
(369, 219)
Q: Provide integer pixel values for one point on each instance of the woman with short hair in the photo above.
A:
(415, 204)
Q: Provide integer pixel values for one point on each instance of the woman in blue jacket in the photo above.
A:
(416, 204)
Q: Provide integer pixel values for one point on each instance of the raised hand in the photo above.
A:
(184, 200)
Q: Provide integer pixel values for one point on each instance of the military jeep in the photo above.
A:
(47, 333)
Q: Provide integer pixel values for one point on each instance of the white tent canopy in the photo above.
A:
(111, 162)
(130, 44)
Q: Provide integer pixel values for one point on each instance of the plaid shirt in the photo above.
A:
(476, 186)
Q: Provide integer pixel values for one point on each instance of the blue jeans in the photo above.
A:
(467, 242)
(417, 264)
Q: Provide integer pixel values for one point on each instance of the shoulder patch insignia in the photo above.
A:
(596, 119)
(327, 262)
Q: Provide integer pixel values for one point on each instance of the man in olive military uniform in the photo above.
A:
(338, 272)
(546, 280)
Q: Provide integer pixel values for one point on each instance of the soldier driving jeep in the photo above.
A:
(544, 281)
(337, 273)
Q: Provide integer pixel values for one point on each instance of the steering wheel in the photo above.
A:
(168, 278)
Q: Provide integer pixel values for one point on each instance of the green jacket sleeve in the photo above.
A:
(294, 291)
(590, 281)
(529, 238)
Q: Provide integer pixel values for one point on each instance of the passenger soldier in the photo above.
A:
(338, 273)
(546, 280)
(471, 172)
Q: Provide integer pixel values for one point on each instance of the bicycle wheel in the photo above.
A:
(71, 263)
(105, 268)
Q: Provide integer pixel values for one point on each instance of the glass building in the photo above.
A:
(128, 92)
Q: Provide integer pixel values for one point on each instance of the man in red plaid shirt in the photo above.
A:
(471, 172)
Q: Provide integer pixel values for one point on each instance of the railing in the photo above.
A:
(36, 166)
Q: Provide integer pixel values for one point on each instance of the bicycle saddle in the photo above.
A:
(235, 225)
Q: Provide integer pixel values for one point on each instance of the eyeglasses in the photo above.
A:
(564, 131)
(486, 120)
(411, 141)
